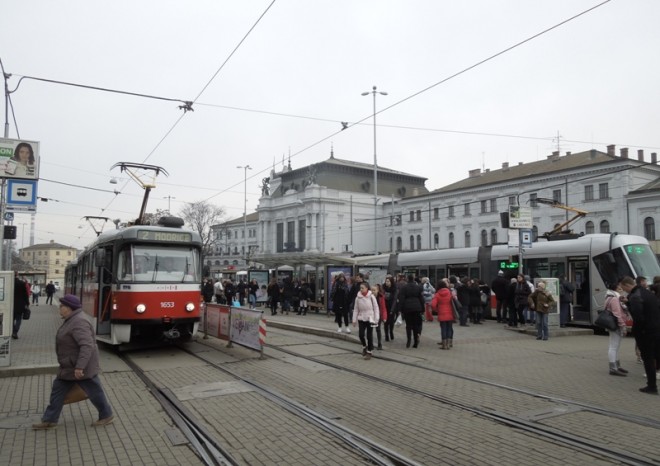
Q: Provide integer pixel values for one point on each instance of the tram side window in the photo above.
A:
(612, 266)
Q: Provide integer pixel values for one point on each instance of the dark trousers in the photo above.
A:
(49, 299)
(463, 314)
(501, 310)
(389, 325)
(94, 391)
(564, 313)
(649, 347)
(366, 328)
(341, 314)
(18, 320)
(413, 325)
(513, 316)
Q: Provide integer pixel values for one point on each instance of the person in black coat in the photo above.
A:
(499, 287)
(645, 312)
(411, 303)
(208, 291)
(21, 301)
(463, 296)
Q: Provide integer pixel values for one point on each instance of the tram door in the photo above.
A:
(105, 292)
(578, 274)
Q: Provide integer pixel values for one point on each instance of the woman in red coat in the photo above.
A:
(441, 304)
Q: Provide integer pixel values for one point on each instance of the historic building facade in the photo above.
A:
(327, 209)
(51, 258)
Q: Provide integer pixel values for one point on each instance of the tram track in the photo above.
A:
(565, 438)
(212, 452)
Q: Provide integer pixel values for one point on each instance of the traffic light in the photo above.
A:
(10, 232)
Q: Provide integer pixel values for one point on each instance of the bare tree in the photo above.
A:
(201, 216)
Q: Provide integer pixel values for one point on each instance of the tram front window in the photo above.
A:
(643, 260)
(612, 266)
(159, 265)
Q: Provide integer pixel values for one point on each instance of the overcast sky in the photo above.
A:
(299, 73)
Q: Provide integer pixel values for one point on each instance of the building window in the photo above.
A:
(493, 205)
(419, 242)
(512, 200)
(535, 233)
(228, 234)
(467, 239)
(484, 207)
(412, 243)
(589, 227)
(436, 240)
(604, 226)
(532, 200)
(493, 236)
(279, 237)
(589, 192)
(466, 209)
(484, 238)
(302, 235)
(556, 195)
(450, 211)
(412, 215)
(451, 240)
(419, 215)
(399, 243)
(649, 228)
(436, 213)
(603, 191)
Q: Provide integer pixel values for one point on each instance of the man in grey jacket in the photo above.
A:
(78, 358)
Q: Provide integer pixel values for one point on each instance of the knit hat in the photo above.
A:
(500, 272)
(71, 301)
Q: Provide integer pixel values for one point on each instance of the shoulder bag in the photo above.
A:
(26, 313)
(456, 308)
(606, 319)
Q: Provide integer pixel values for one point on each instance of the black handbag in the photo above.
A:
(26, 313)
(456, 308)
(606, 319)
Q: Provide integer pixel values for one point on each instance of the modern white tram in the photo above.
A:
(591, 262)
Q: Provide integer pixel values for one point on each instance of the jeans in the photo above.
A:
(18, 320)
(446, 330)
(542, 325)
(94, 391)
(49, 299)
(365, 327)
(613, 348)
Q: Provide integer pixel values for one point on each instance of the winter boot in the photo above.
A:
(613, 370)
(620, 369)
(416, 343)
(451, 343)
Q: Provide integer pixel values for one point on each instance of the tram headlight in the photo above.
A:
(190, 307)
(140, 308)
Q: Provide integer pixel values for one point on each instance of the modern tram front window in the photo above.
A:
(643, 260)
(155, 264)
(612, 266)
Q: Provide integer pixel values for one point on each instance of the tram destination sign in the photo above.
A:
(165, 236)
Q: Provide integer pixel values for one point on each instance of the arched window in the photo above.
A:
(412, 243)
(467, 239)
(484, 238)
(589, 227)
(535, 233)
(399, 243)
(436, 240)
(493, 236)
(451, 240)
(649, 228)
(216, 263)
(604, 226)
(226, 262)
(419, 242)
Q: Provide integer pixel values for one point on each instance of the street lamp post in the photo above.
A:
(245, 249)
(169, 201)
(374, 91)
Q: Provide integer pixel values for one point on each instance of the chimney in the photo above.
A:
(593, 153)
(654, 158)
(611, 150)
(520, 163)
(474, 173)
(640, 155)
(505, 166)
(624, 152)
(554, 157)
(568, 153)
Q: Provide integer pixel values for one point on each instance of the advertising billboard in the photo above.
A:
(19, 159)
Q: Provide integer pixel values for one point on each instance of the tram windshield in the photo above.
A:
(643, 260)
(616, 264)
(155, 264)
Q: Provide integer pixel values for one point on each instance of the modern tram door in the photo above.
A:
(578, 275)
(104, 311)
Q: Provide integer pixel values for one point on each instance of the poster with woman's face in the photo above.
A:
(19, 159)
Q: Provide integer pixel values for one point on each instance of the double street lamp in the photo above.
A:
(245, 249)
(374, 91)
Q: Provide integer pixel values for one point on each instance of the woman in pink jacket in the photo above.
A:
(441, 304)
(367, 315)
